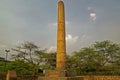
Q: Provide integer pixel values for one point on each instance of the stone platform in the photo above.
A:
(58, 75)
(61, 78)
(55, 73)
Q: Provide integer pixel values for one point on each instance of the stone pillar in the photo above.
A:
(61, 42)
(11, 75)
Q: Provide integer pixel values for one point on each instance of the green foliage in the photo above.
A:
(26, 52)
(48, 60)
(101, 58)
(2, 66)
(51, 60)
(27, 59)
(30, 59)
(22, 67)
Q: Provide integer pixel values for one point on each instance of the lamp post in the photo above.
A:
(6, 51)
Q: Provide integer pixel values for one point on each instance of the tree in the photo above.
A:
(48, 59)
(22, 67)
(108, 50)
(28, 52)
(100, 58)
(86, 60)
(51, 60)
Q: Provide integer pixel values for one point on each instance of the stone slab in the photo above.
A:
(55, 73)
(61, 78)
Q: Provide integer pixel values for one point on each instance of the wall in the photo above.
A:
(101, 77)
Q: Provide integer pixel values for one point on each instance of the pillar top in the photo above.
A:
(60, 1)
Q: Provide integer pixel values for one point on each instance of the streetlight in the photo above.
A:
(7, 51)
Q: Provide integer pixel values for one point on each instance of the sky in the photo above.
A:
(87, 21)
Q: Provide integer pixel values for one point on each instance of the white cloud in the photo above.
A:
(92, 13)
(52, 24)
(67, 22)
(70, 39)
(2, 46)
(52, 49)
(93, 16)
(89, 8)
(85, 40)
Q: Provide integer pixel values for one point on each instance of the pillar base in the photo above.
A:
(61, 78)
(55, 73)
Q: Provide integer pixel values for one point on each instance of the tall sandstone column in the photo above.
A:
(61, 42)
